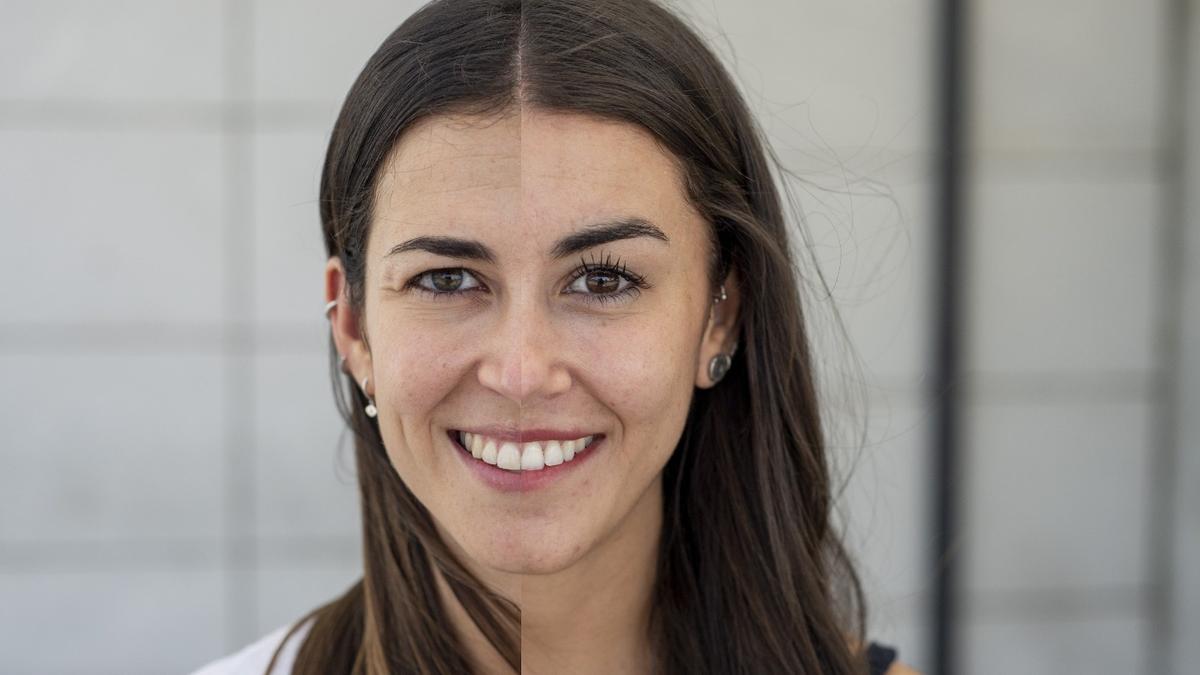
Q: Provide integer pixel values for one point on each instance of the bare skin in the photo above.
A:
(527, 341)
(529, 344)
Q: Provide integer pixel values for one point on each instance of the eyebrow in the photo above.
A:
(590, 236)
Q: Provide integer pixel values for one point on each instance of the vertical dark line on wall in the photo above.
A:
(238, 295)
(1166, 396)
(947, 334)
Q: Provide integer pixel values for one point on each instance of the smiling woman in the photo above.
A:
(550, 225)
(536, 346)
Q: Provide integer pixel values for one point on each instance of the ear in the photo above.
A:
(721, 334)
(348, 336)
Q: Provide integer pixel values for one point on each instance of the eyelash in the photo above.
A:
(637, 283)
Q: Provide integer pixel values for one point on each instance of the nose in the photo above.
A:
(523, 361)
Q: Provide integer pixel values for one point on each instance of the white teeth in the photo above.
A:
(489, 452)
(509, 457)
(554, 453)
(532, 456)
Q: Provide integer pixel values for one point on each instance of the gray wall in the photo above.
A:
(1067, 220)
(175, 482)
(1184, 562)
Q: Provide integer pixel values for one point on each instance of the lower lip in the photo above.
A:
(522, 481)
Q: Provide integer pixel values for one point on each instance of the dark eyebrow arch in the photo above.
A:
(576, 242)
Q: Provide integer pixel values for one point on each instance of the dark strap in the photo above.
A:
(880, 657)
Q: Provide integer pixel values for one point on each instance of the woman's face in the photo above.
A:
(534, 277)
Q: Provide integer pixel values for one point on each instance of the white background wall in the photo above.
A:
(174, 479)
(1067, 221)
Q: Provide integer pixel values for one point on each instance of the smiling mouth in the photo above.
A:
(519, 457)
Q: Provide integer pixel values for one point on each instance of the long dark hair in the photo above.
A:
(765, 585)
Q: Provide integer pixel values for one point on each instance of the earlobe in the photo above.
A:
(720, 342)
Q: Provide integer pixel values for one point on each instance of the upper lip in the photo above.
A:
(528, 435)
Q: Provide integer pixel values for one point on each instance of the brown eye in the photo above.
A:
(446, 280)
(602, 282)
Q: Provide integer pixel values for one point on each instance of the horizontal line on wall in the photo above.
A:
(880, 177)
(109, 555)
(1066, 387)
(158, 338)
(896, 388)
(165, 116)
(330, 549)
(1027, 604)
(1066, 165)
(115, 337)
(1062, 387)
(900, 168)
(67, 115)
(148, 555)
(1054, 604)
(860, 170)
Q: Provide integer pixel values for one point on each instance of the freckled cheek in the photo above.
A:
(421, 366)
(642, 374)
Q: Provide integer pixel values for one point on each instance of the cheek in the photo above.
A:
(642, 369)
(417, 365)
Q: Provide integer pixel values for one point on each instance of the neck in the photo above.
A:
(591, 617)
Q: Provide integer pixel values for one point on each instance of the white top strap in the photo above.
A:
(253, 659)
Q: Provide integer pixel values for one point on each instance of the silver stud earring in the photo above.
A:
(719, 364)
(371, 410)
(329, 307)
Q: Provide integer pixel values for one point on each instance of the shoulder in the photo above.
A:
(254, 658)
(898, 668)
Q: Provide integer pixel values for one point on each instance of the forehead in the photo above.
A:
(531, 172)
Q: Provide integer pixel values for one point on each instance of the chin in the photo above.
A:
(532, 553)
